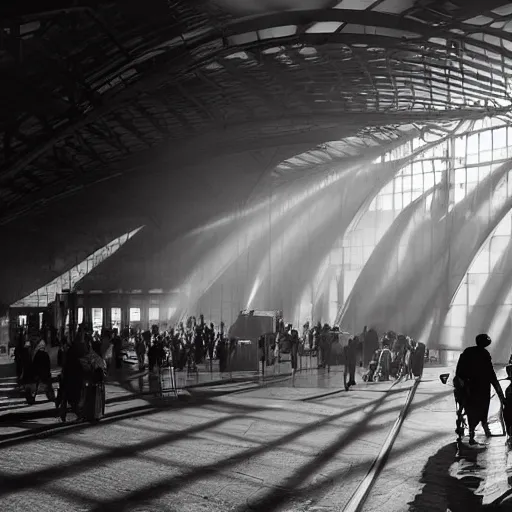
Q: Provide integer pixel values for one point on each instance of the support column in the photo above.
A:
(107, 313)
(125, 311)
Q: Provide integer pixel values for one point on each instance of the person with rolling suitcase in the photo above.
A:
(92, 400)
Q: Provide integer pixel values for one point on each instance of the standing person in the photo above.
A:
(474, 376)
(418, 359)
(140, 349)
(350, 362)
(72, 378)
(507, 406)
(117, 347)
(325, 347)
(92, 396)
(371, 345)
(294, 352)
(222, 353)
(41, 369)
(18, 354)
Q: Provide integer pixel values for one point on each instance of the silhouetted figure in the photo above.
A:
(507, 407)
(350, 353)
(325, 344)
(72, 378)
(474, 377)
(418, 359)
(371, 345)
(222, 354)
(294, 352)
(140, 348)
(41, 370)
(117, 347)
(92, 397)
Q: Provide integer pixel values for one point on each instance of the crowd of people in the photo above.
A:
(396, 356)
(184, 346)
(90, 356)
(81, 382)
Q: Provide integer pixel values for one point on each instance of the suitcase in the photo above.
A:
(418, 360)
(93, 401)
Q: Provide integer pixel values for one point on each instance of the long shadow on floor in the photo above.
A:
(448, 490)
(171, 483)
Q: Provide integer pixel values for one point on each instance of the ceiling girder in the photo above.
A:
(114, 100)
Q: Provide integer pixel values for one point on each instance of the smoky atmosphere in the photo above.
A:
(256, 256)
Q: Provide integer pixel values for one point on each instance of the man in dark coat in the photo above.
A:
(474, 377)
(72, 378)
(350, 351)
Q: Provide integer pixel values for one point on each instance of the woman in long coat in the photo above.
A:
(72, 378)
(92, 396)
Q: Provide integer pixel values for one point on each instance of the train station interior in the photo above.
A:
(241, 241)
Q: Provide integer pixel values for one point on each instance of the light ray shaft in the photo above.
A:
(374, 276)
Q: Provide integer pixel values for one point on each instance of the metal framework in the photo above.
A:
(88, 93)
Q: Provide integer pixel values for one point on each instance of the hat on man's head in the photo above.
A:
(483, 340)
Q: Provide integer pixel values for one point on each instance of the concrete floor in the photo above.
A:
(266, 449)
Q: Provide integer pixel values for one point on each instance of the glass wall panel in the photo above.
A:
(115, 315)
(134, 315)
(154, 315)
(97, 319)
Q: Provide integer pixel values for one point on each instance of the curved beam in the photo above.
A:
(355, 310)
(256, 251)
(359, 190)
(291, 246)
(494, 292)
(300, 133)
(180, 50)
(424, 290)
(222, 257)
(461, 258)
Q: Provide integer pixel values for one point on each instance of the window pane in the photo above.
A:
(388, 189)
(417, 168)
(486, 140)
(399, 204)
(499, 138)
(387, 202)
(417, 182)
(427, 166)
(473, 144)
(460, 147)
(428, 181)
(97, 319)
(154, 315)
(483, 172)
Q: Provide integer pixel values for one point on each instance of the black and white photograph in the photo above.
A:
(255, 255)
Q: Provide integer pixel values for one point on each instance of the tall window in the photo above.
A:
(80, 316)
(115, 315)
(134, 315)
(97, 319)
(154, 316)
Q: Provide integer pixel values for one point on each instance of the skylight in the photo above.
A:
(324, 27)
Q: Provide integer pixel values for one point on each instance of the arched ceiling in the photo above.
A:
(93, 89)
